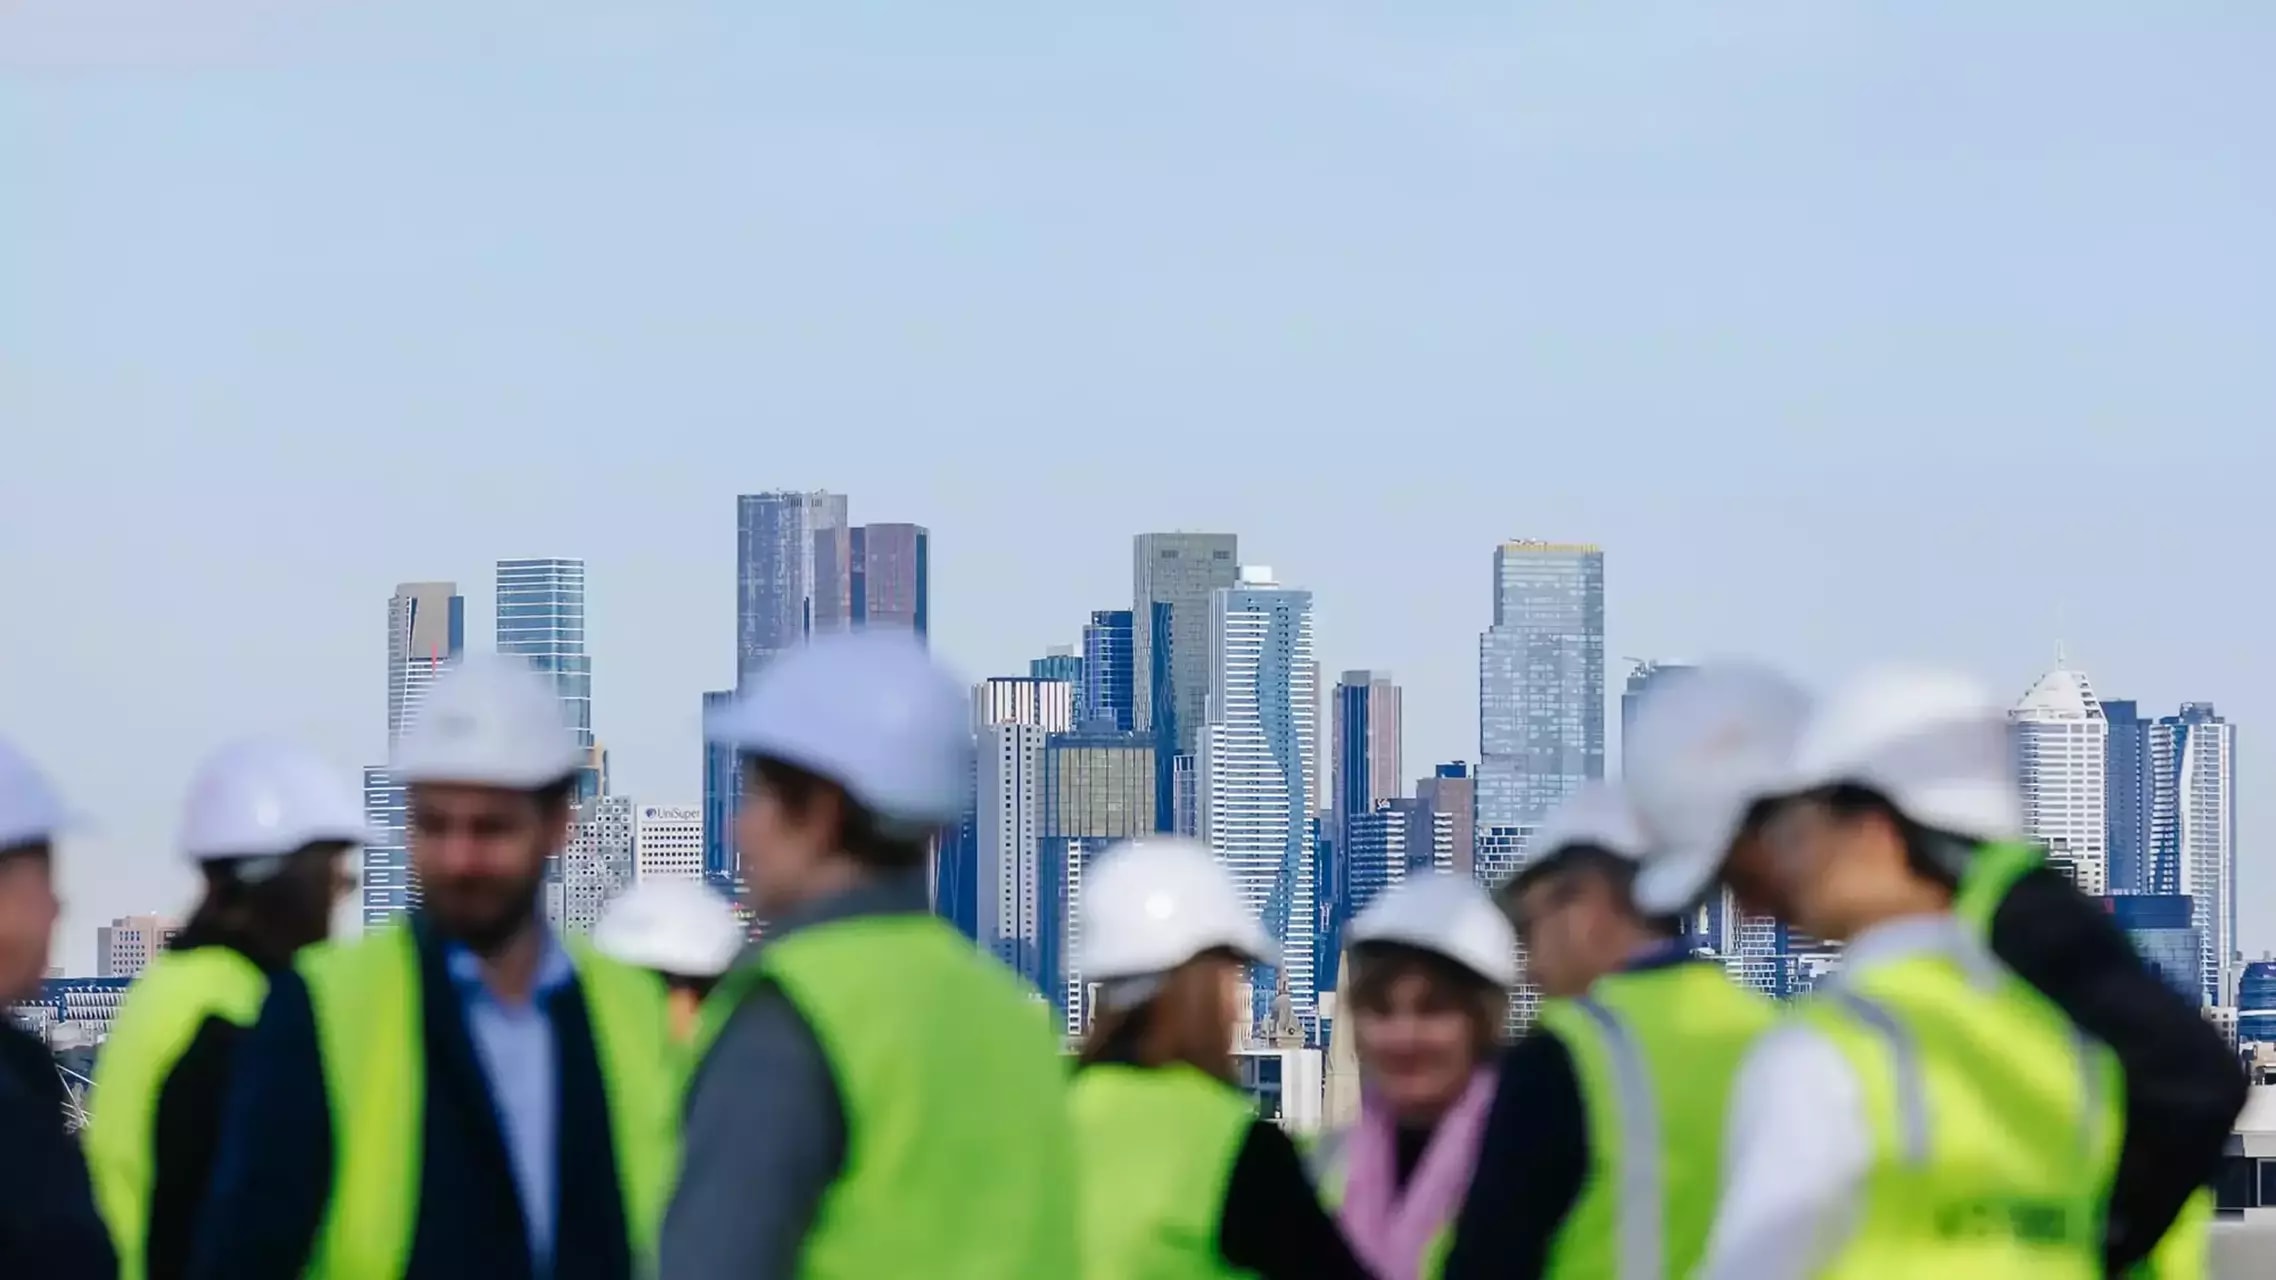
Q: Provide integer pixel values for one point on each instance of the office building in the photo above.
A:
(1254, 785)
(2192, 793)
(1098, 788)
(541, 620)
(1063, 663)
(597, 865)
(780, 589)
(667, 842)
(1109, 648)
(2256, 1003)
(1012, 889)
(2061, 746)
(722, 794)
(891, 576)
(2126, 796)
(1540, 681)
(125, 946)
(426, 631)
(2163, 929)
(1368, 770)
(1396, 839)
(1179, 573)
(1044, 704)
(1452, 791)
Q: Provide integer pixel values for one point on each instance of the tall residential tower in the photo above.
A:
(426, 631)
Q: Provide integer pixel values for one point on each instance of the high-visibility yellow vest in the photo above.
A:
(1655, 1053)
(1995, 1124)
(1157, 1147)
(156, 1024)
(960, 1161)
(370, 1034)
(2184, 1252)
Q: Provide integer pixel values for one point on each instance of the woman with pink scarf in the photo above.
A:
(1425, 1000)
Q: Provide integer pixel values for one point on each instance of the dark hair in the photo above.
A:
(1933, 855)
(1376, 967)
(1590, 861)
(40, 848)
(862, 835)
(1183, 1022)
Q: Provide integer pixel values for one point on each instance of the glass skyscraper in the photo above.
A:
(541, 619)
(2127, 811)
(1540, 681)
(1254, 783)
(1109, 650)
(891, 568)
(2192, 761)
(2162, 928)
(777, 578)
(426, 631)
(1173, 579)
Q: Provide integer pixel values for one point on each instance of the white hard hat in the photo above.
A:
(30, 811)
(1934, 744)
(873, 712)
(1704, 750)
(259, 799)
(1597, 815)
(679, 927)
(1151, 905)
(1447, 915)
(489, 721)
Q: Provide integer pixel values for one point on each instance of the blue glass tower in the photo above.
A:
(722, 793)
(1108, 681)
(541, 619)
(2163, 929)
(2256, 1003)
(2126, 774)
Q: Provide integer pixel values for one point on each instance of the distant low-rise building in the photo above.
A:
(125, 945)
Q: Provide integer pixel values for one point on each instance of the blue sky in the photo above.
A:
(1852, 332)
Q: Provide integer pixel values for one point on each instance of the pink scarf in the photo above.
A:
(1390, 1231)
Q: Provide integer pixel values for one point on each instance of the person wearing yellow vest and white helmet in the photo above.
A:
(876, 1098)
(1180, 1176)
(1426, 999)
(1699, 756)
(682, 931)
(1926, 1112)
(460, 1094)
(1603, 1154)
(49, 1226)
(269, 826)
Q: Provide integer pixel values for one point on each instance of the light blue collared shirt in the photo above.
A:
(515, 1044)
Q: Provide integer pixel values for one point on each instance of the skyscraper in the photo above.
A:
(1098, 788)
(2127, 796)
(2061, 744)
(1368, 770)
(541, 619)
(1109, 648)
(2192, 763)
(1063, 663)
(777, 579)
(722, 789)
(891, 571)
(1012, 893)
(426, 631)
(1254, 785)
(1540, 681)
(2163, 929)
(1170, 662)
(1452, 791)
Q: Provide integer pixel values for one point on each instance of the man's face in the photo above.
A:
(1557, 918)
(28, 909)
(480, 855)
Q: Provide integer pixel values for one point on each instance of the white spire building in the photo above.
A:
(2061, 741)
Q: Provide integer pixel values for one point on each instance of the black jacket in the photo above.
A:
(48, 1223)
(2183, 1086)
(273, 1178)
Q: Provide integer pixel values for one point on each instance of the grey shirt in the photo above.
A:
(766, 1131)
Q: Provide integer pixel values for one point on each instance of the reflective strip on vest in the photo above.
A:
(367, 998)
(1640, 1209)
(156, 1024)
(1904, 1056)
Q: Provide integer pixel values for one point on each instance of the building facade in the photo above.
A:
(1452, 790)
(1109, 682)
(1368, 732)
(2126, 796)
(1540, 681)
(1013, 893)
(1254, 784)
(541, 620)
(1173, 582)
(891, 576)
(667, 842)
(2256, 1003)
(598, 864)
(1098, 788)
(778, 582)
(1045, 704)
(2163, 929)
(2062, 758)
(426, 631)
(2192, 793)
(125, 946)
